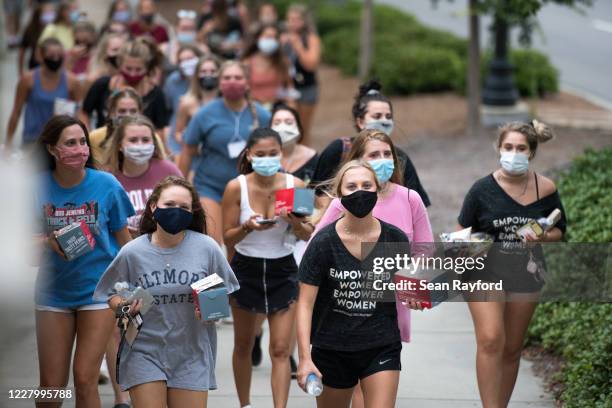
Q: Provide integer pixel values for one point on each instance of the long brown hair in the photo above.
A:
(198, 223)
(51, 134)
(358, 149)
(115, 158)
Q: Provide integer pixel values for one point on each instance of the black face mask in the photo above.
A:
(173, 219)
(147, 18)
(113, 61)
(209, 82)
(53, 64)
(360, 203)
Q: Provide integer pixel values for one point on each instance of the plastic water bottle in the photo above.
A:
(123, 290)
(313, 385)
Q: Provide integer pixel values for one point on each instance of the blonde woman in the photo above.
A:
(499, 204)
(106, 59)
(222, 128)
(352, 341)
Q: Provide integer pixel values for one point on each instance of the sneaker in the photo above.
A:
(256, 353)
(293, 368)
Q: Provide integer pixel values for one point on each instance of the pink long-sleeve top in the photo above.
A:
(402, 208)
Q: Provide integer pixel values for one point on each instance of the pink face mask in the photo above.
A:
(74, 157)
(233, 90)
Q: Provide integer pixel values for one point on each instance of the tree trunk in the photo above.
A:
(366, 48)
(473, 79)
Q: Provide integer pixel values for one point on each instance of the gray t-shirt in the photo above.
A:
(172, 345)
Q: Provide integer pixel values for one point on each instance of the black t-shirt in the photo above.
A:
(329, 161)
(488, 208)
(154, 104)
(306, 172)
(341, 320)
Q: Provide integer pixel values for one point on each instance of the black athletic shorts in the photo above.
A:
(343, 369)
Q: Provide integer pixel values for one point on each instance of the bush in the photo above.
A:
(586, 190)
(416, 50)
(415, 69)
(582, 332)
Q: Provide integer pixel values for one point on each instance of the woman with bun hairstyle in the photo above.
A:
(371, 110)
(498, 204)
(354, 340)
(263, 262)
(171, 363)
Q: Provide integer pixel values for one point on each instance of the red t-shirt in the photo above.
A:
(157, 32)
(140, 188)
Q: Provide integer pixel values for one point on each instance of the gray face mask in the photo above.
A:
(384, 125)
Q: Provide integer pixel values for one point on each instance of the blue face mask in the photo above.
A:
(75, 15)
(384, 125)
(172, 219)
(266, 166)
(186, 37)
(514, 163)
(122, 16)
(383, 168)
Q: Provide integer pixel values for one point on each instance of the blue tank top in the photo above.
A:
(39, 106)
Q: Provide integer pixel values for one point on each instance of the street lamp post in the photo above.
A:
(499, 89)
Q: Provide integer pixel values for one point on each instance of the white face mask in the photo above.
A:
(514, 163)
(289, 133)
(139, 154)
(188, 67)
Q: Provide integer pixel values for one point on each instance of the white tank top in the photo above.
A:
(272, 243)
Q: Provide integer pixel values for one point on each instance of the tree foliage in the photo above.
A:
(521, 13)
